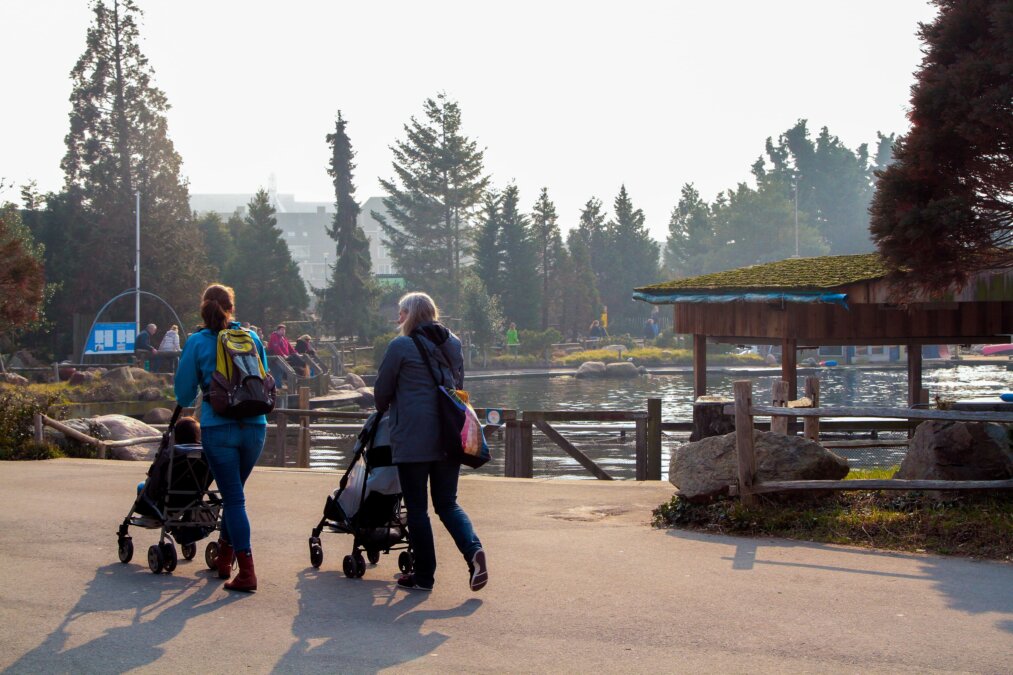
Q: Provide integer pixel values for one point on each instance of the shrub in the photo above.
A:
(514, 361)
(18, 407)
(537, 342)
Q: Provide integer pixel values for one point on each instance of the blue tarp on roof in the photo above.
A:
(772, 296)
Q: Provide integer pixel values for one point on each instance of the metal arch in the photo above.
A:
(129, 291)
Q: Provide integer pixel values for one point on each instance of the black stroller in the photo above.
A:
(367, 505)
(176, 498)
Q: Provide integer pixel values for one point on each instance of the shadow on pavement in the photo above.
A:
(141, 611)
(361, 624)
(969, 586)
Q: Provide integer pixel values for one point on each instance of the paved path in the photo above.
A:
(579, 583)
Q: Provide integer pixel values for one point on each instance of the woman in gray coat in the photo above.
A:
(405, 387)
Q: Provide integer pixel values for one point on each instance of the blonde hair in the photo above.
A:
(420, 308)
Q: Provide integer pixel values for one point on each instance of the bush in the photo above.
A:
(30, 451)
(18, 407)
(514, 361)
(380, 343)
(537, 342)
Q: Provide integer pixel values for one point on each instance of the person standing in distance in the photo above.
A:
(405, 388)
(232, 446)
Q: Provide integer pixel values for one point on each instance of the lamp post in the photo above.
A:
(794, 187)
(137, 264)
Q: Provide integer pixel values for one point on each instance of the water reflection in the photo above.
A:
(838, 386)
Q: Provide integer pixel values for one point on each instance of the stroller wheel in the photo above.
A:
(211, 555)
(349, 567)
(169, 556)
(189, 551)
(360, 565)
(373, 557)
(405, 562)
(316, 553)
(126, 550)
(155, 560)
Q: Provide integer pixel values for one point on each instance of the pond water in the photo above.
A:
(838, 387)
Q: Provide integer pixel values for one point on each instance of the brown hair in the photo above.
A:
(187, 430)
(217, 305)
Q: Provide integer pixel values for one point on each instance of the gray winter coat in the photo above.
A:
(403, 385)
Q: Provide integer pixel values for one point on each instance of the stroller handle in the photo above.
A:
(175, 418)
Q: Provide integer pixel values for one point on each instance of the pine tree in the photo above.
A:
(488, 254)
(580, 303)
(217, 242)
(349, 303)
(690, 235)
(480, 314)
(118, 144)
(593, 232)
(548, 253)
(263, 273)
(945, 207)
(521, 288)
(437, 186)
(633, 259)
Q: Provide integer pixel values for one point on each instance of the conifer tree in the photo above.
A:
(593, 233)
(488, 253)
(580, 301)
(438, 185)
(548, 251)
(690, 235)
(217, 242)
(118, 144)
(521, 288)
(480, 314)
(349, 303)
(633, 259)
(263, 273)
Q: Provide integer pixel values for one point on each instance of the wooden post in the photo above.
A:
(37, 421)
(641, 448)
(303, 461)
(779, 399)
(654, 439)
(914, 373)
(744, 439)
(281, 441)
(518, 460)
(789, 366)
(699, 366)
(811, 425)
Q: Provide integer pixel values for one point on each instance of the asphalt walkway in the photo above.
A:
(579, 583)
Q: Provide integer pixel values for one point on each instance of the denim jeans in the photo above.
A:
(232, 450)
(442, 476)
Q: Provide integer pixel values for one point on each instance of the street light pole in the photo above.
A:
(794, 187)
(137, 264)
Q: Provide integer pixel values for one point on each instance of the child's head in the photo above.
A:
(187, 431)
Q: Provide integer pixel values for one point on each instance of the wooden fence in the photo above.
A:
(101, 446)
(808, 408)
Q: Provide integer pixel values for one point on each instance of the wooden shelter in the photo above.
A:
(830, 300)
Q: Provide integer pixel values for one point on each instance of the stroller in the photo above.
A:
(176, 499)
(367, 505)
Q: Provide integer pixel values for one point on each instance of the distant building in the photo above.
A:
(304, 228)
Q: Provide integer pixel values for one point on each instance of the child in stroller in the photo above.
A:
(367, 504)
(176, 499)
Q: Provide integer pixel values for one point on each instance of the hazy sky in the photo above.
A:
(576, 96)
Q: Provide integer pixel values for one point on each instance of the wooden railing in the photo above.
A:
(101, 446)
(744, 410)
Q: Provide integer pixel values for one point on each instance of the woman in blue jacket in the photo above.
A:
(232, 446)
(405, 388)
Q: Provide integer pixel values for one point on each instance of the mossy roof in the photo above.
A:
(814, 274)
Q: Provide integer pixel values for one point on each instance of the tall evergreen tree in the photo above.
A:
(593, 231)
(580, 303)
(690, 236)
(218, 242)
(945, 207)
(431, 200)
(488, 253)
(118, 144)
(548, 253)
(521, 288)
(266, 278)
(349, 303)
(633, 259)
(480, 314)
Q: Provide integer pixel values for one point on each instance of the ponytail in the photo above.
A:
(217, 306)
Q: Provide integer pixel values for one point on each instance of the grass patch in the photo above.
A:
(979, 526)
(657, 356)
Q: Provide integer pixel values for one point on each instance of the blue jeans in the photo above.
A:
(232, 450)
(442, 476)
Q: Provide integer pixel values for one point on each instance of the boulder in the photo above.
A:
(366, 399)
(24, 359)
(66, 372)
(150, 394)
(623, 369)
(703, 470)
(616, 348)
(158, 416)
(83, 377)
(342, 387)
(14, 378)
(590, 369)
(958, 451)
(121, 427)
(85, 425)
(354, 380)
(127, 374)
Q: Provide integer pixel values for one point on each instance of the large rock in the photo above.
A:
(622, 369)
(366, 399)
(121, 427)
(150, 394)
(127, 374)
(590, 369)
(158, 416)
(958, 451)
(84, 377)
(354, 380)
(14, 378)
(704, 469)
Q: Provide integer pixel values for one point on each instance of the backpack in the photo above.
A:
(240, 387)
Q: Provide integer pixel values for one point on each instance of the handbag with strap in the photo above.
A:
(460, 430)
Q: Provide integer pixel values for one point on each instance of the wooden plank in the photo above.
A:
(899, 413)
(699, 366)
(914, 373)
(899, 443)
(318, 414)
(779, 399)
(881, 484)
(303, 458)
(789, 366)
(641, 450)
(653, 439)
(127, 442)
(744, 439)
(811, 425)
(568, 447)
(37, 428)
(281, 440)
(583, 415)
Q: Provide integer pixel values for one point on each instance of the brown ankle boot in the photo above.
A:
(246, 580)
(225, 558)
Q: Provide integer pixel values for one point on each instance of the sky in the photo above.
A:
(578, 97)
